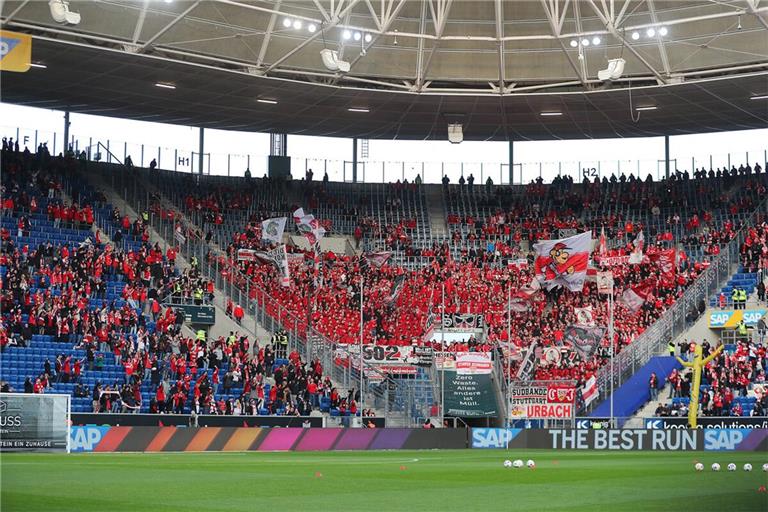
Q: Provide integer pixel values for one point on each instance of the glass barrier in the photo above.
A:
(372, 171)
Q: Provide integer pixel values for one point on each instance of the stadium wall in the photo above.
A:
(622, 439)
(238, 439)
(92, 438)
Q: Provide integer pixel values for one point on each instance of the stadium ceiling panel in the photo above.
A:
(497, 63)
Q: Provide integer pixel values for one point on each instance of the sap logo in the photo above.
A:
(654, 424)
(85, 439)
(7, 44)
(719, 318)
(752, 317)
(493, 437)
(723, 439)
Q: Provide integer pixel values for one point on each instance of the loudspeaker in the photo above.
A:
(280, 167)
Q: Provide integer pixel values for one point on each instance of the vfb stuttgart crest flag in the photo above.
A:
(563, 262)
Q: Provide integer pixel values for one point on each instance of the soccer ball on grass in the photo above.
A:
(747, 467)
(731, 467)
(531, 464)
(715, 466)
(507, 463)
(517, 464)
(699, 466)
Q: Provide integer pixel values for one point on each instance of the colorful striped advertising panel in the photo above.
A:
(240, 439)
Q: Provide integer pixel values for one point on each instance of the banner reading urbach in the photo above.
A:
(542, 401)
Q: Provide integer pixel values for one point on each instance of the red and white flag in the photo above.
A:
(667, 263)
(377, 259)
(635, 296)
(563, 262)
(589, 391)
(309, 226)
(603, 244)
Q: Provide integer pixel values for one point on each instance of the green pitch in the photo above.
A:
(381, 481)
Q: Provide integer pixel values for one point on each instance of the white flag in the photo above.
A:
(272, 229)
(584, 317)
(309, 226)
(604, 282)
(637, 253)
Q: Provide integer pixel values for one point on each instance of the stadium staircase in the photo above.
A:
(436, 211)
(746, 280)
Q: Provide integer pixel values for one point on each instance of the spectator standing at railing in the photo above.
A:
(653, 386)
(760, 289)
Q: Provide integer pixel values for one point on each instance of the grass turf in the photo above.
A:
(394, 480)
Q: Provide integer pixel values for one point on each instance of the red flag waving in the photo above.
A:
(563, 262)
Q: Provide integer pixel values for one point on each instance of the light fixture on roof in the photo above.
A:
(650, 32)
(38, 65)
(663, 31)
(287, 22)
(346, 34)
(368, 38)
(585, 42)
(595, 40)
(297, 24)
(649, 107)
(61, 14)
(357, 36)
(574, 43)
(549, 114)
(613, 71)
(164, 85)
(760, 97)
(358, 109)
(635, 36)
(332, 62)
(264, 100)
(312, 28)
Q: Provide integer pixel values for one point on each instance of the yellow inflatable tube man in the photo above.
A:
(698, 365)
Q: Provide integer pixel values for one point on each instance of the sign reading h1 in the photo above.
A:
(729, 319)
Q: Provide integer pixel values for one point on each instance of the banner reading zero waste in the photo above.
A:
(542, 401)
(469, 394)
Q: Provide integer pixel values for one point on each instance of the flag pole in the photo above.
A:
(509, 351)
(442, 349)
(362, 323)
(610, 337)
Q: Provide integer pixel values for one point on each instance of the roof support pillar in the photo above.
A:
(512, 162)
(354, 160)
(201, 151)
(66, 132)
(666, 156)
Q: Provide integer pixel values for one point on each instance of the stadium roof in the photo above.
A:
(494, 66)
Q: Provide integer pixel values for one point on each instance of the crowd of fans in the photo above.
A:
(61, 290)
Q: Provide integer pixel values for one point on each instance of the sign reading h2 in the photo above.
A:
(493, 437)
(86, 439)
